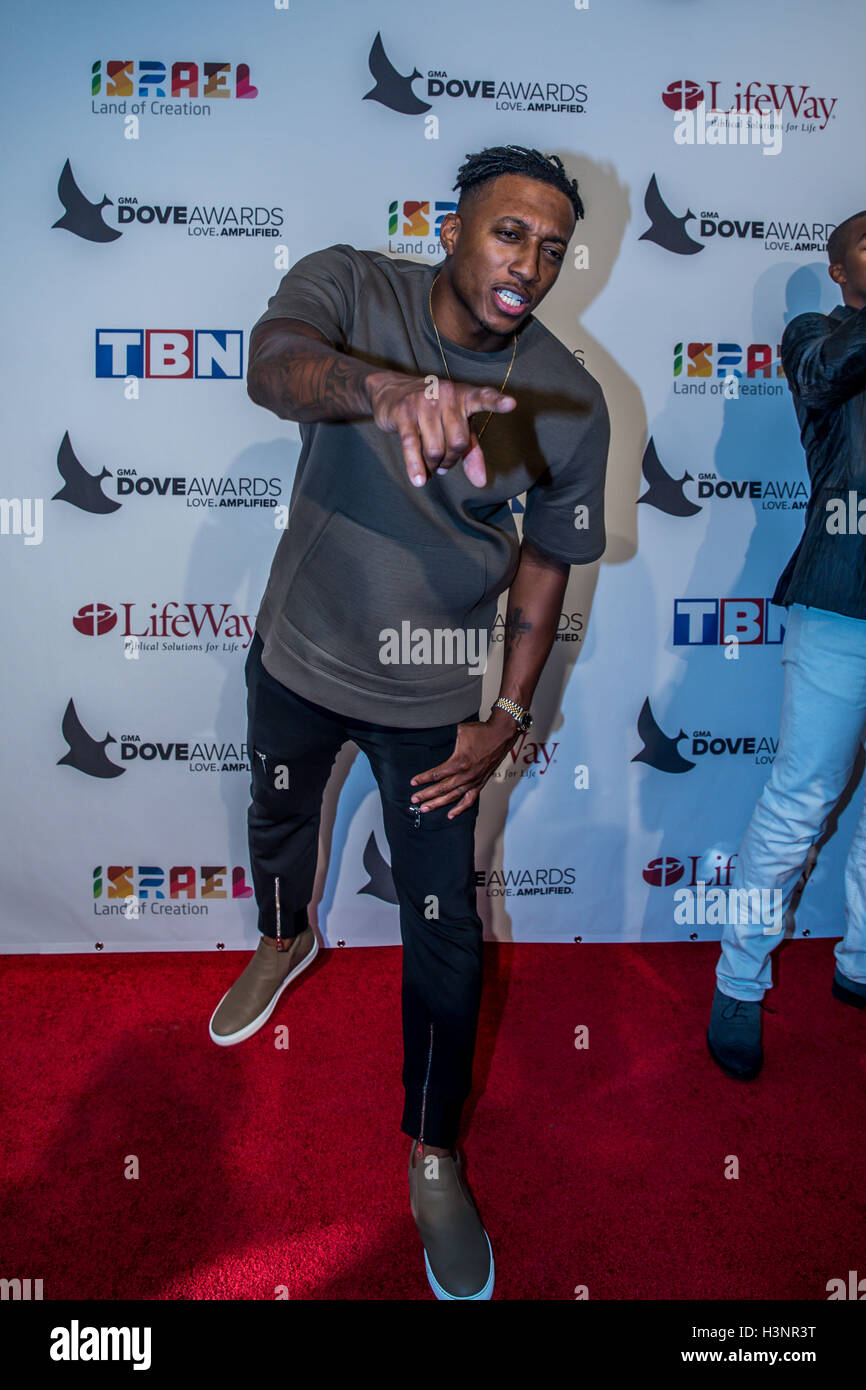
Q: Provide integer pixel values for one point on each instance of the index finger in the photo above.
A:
(473, 464)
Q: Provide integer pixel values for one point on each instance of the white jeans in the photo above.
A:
(823, 724)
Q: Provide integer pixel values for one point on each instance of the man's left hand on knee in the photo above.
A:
(480, 748)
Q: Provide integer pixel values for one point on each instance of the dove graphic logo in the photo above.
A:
(666, 229)
(380, 884)
(80, 488)
(82, 217)
(392, 89)
(664, 492)
(86, 754)
(659, 751)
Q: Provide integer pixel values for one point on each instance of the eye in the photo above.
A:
(507, 231)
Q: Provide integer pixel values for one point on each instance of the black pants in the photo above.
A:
(292, 746)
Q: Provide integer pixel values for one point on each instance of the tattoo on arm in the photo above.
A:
(515, 627)
(310, 381)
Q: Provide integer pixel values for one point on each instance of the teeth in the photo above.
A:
(510, 297)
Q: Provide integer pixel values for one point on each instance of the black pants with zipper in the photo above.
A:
(292, 747)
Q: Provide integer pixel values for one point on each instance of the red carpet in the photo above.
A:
(261, 1167)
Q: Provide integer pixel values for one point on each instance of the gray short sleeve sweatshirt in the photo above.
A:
(381, 596)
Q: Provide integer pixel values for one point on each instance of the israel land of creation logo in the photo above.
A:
(414, 225)
(706, 368)
(188, 890)
(130, 87)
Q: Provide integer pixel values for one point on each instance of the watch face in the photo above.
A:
(525, 723)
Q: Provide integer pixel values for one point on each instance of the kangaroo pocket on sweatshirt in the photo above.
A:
(394, 612)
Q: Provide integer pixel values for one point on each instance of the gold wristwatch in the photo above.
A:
(521, 716)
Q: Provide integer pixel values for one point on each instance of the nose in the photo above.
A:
(525, 265)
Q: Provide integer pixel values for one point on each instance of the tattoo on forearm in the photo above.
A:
(515, 627)
(312, 384)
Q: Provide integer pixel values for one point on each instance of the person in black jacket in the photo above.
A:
(823, 722)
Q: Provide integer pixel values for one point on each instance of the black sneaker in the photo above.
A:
(734, 1036)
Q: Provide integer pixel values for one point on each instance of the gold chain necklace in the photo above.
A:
(445, 364)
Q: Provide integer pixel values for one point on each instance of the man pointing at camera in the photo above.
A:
(427, 397)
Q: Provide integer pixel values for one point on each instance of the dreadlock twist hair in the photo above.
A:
(516, 159)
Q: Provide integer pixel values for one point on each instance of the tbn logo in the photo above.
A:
(170, 353)
(711, 622)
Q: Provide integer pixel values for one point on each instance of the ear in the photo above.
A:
(837, 274)
(449, 232)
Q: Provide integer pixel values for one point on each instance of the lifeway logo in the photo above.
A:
(668, 230)
(170, 354)
(88, 755)
(667, 870)
(527, 759)
(807, 111)
(85, 490)
(668, 494)
(395, 90)
(88, 220)
(661, 751)
(712, 622)
(165, 627)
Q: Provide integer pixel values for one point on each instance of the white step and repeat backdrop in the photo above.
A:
(164, 165)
